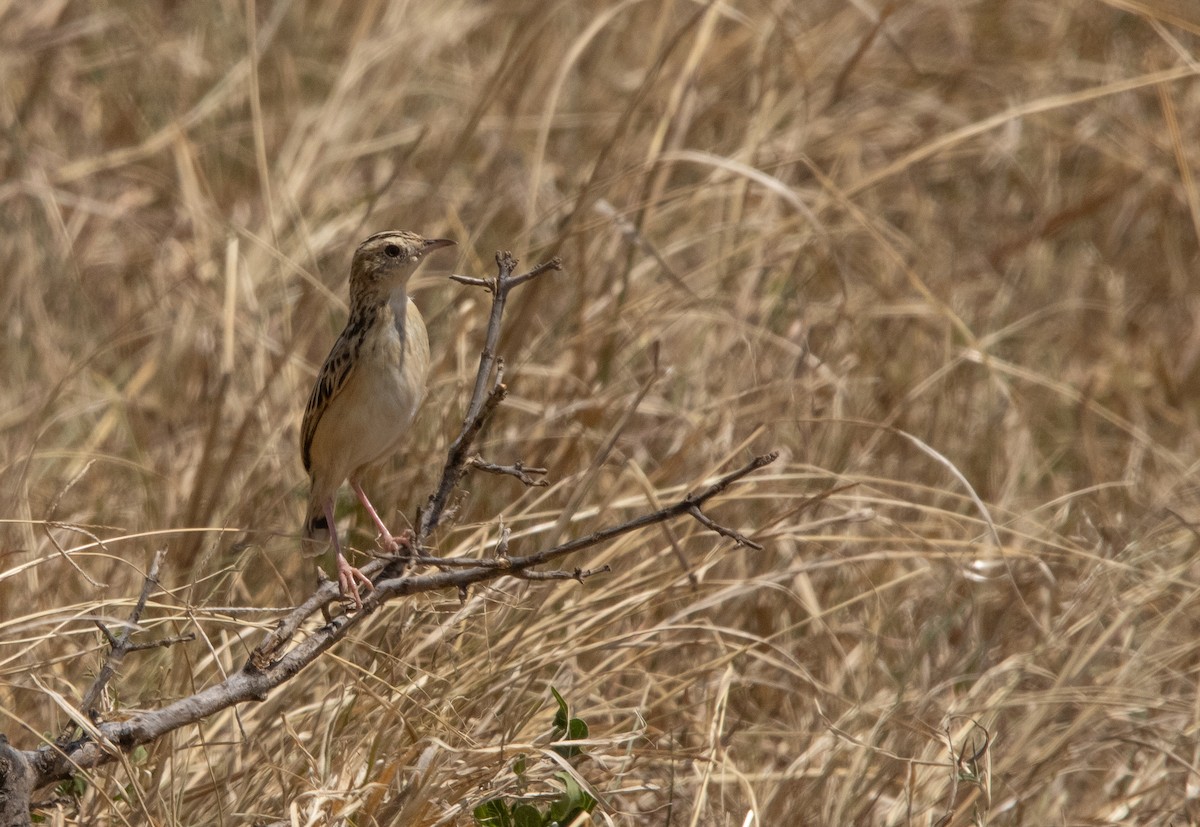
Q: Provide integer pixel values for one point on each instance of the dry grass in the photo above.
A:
(975, 226)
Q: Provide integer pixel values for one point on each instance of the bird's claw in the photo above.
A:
(348, 579)
(406, 543)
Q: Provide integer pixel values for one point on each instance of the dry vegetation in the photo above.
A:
(954, 252)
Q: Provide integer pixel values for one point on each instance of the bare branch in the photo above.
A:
(18, 780)
(553, 264)
(486, 284)
(484, 570)
(577, 574)
(483, 401)
(499, 288)
(518, 469)
(113, 643)
(455, 466)
(263, 672)
(164, 643)
(274, 642)
(459, 562)
(120, 646)
(708, 523)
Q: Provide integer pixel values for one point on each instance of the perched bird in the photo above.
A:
(369, 388)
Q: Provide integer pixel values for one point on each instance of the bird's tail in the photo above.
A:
(316, 530)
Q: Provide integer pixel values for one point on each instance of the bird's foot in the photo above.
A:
(402, 550)
(404, 545)
(348, 579)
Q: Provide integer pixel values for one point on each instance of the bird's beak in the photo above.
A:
(432, 244)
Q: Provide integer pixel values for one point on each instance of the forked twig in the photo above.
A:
(481, 404)
(122, 644)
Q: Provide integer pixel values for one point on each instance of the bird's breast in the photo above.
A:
(396, 358)
(366, 422)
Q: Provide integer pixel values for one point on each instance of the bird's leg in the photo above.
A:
(391, 544)
(347, 574)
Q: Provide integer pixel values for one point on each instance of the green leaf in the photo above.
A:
(566, 727)
(562, 716)
(526, 815)
(73, 787)
(572, 802)
(578, 729)
(567, 752)
(492, 813)
(519, 764)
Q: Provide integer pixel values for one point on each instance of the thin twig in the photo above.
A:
(577, 574)
(589, 477)
(455, 467)
(389, 588)
(46, 526)
(460, 562)
(486, 284)
(545, 267)
(113, 643)
(683, 506)
(122, 645)
(186, 637)
(483, 400)
(501, 552)
(518, 469)
(500, 287)
(711, 525)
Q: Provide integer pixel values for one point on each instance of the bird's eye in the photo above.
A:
(392, 250)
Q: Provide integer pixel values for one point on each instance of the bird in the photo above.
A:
(367, 391)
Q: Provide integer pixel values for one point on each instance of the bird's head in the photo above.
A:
(385, 261)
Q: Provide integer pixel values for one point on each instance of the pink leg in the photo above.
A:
(390, 543)
(347, 574)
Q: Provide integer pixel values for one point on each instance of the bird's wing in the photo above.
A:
(335, 373)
